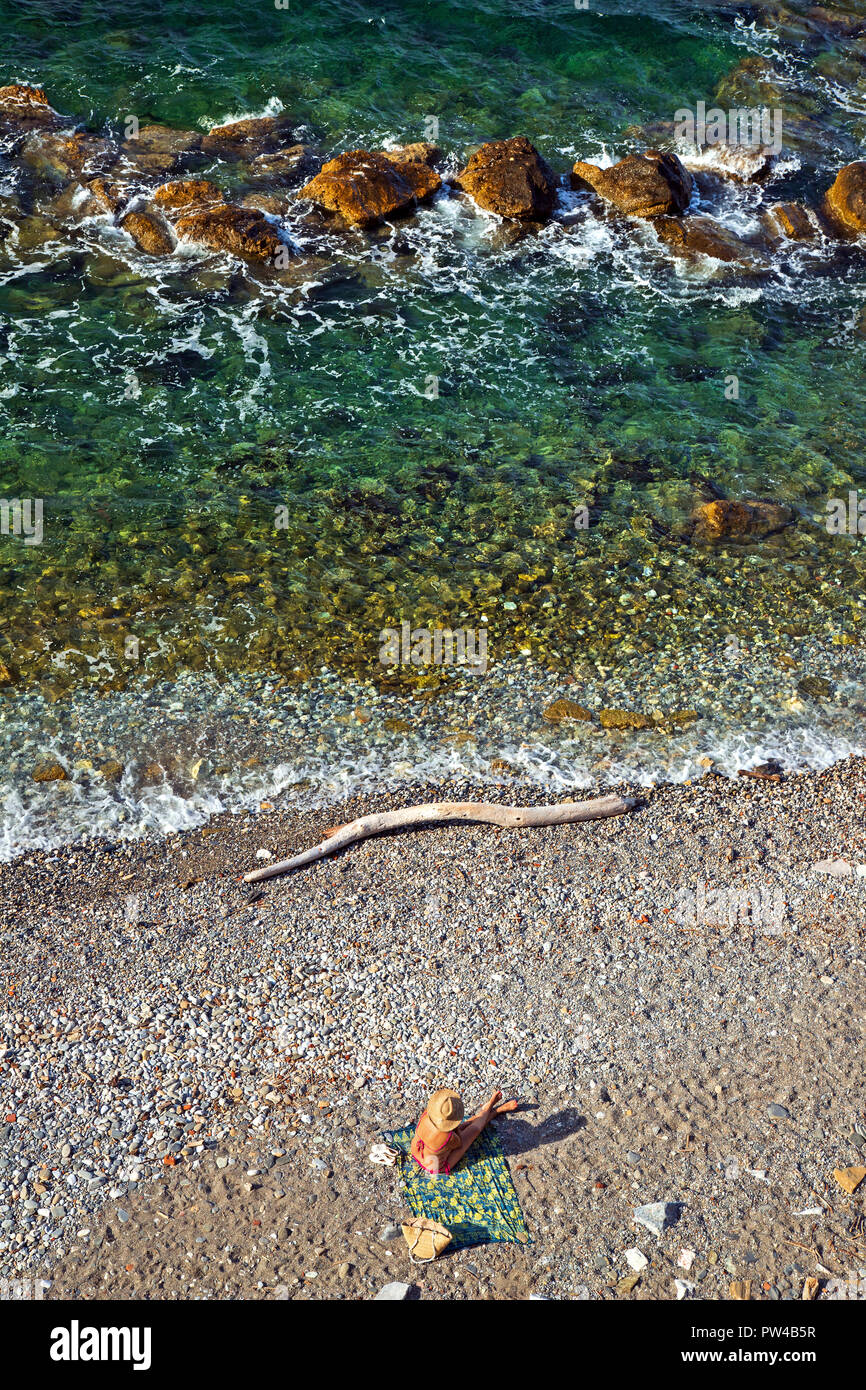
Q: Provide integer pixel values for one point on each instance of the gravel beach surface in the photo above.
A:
(193, 1069)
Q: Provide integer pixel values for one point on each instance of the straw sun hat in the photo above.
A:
(445, 1109)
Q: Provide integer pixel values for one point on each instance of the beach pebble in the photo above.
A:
(657, 1216)
(393, 1293)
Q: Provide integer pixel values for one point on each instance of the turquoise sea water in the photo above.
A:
(164, 411)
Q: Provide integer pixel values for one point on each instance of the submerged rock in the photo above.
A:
(565, 709)
(739, 521)
(643, 185)
(50, 772)
(149, 232)
(243, 232)
(624, 719)
(703, 236)
(185, 195)
(283, 167)
(364, 186)
(510, 178)
(160, 149)
(845, 200)
(243, 139)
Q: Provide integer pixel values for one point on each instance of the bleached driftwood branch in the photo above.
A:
(410, 817)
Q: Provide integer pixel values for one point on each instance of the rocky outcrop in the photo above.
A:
(243, 232)
(362, 186)
(186, 195)
(149, 233)
(510, 178)
(739, 521)
(642, 185)
(245, 139)
(24, 108)
(845, 200)
(703, 236)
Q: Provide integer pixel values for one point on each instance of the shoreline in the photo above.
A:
(170, 758)
(216, 1020)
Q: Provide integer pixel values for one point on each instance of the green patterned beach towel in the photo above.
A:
(477, 1202)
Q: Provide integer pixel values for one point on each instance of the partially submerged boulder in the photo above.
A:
(420, 152)
(792, 221)
(724, 520)
(24, 108)
(244, 139)
(60, 157)
(364, 186)
(510, 178)
(110, 196)
(186, 195)
(284, 167)
(149, 232)
(243, 232)
(845, 200)
(703, 236)
(653, 184)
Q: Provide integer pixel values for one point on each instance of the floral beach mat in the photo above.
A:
(478, 1201)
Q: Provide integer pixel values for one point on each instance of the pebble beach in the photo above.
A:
(194, 1069)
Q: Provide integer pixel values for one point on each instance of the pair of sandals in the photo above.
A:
(384, 1154)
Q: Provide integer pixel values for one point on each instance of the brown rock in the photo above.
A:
(510, 178)
(363, 187)
(149, 233)
(242, 231)
(741, 1289)
(186, 195)
(793, 220)
(242, 139)
(8, 675)
(624, 719)
(642, 185)
(111, 771)
(421, 178)
(23, 107)
(845, 200)
(21, 96)
(50, 772)
(703, 236)
(565, 709)
(110, 196)
(421, 152)
(160, 149)
(739, 521)
(283, 167)
(59, 157)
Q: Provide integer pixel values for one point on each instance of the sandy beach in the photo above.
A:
(194, 1068)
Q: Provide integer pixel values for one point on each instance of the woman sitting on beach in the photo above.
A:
(441, 1136)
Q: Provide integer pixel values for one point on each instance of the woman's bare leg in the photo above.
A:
(470, 1130)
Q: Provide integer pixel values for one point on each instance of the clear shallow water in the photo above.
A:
(164, 411)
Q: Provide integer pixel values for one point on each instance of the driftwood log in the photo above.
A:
(435, 812)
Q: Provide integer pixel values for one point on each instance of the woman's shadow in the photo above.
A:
(519, 1136)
